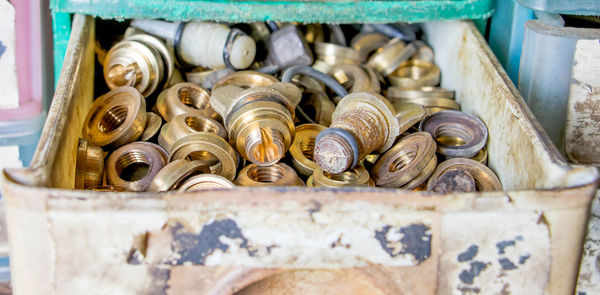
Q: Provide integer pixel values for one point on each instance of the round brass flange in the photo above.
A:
(485, 178)
(357, 176)
(303, 147)
(170, 176)
(153, 124)
(415, 73)
(133, 166)
(366, 43)
(185, 98)
(388, 58)
(333, 54)
(457, 134)
(275, 175)
(89, 165)
(454, 180)
(186, 124)
(203, 182)
(355, 78)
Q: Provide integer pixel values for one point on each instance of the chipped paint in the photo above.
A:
(413, 240)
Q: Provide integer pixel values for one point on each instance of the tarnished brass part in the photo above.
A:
(317, 102)
(245, 79)
(414, 74)
(408, 114)
(275, 175)
(202, 182)
(303, 147)
(133, 63)
(396, 93)
(89, 165)
(166, 53)
(107, 188)
(322, 66)
(185, 98)
(357, 176)
(185, 124)
(208, 148)
(116, 118)
(367, 43)
(314, 33)
(454, 180)
(355, 78)
(405, 161)
(482, 156)
(388, 58)
(260, 120)
(153, 124)
(170, 176)
(434, 104)
(423, 176)
(333, 54)
(370, 160)
(485, 179)
(307, 82)
(457, 134)
(363, 123)
(133, 166)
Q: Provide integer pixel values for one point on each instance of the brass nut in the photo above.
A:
(259, 120)
(170, 176)
(363, 123)
(388, 58)
(116, 118)
(245, 79)
(454, 180)
(202, 182)
(457, 134)
(303, 148)
(414, 74)
(185, 98)
(89, 165)
(357, 176)
(133, 166)
(367, 43)
(208, 148)
(275, 175)
(411, 158)
(185, 124)
(153, 124)
(355, 78)
(317, 102)
(485, 178)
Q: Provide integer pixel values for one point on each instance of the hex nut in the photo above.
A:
(89, 165)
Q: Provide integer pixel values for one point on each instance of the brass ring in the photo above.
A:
(89, 165)
(209, 148)
(319, 102)
(185, 98)
(303, 147)
(422, 92)
(355, 78)
(357, 176)
(170, 176)
(116, 118)
(408, 114)
(366, 43)
(388, 58)
(153, 124)
(203, 182)
(245, 79)
(275, 175)
(133, 166)
(457, 134)
(185, 124)
(414, 74)
(485, 178)
(335, 54)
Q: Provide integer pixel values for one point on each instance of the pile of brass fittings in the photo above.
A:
(277, 104)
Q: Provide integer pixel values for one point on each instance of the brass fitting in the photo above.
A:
(245, 79)
(409, 114)
(274, 175)
(133, 166)
(202, 182)
(185, 124)
(363, 123)
(408, 163)
(303, 148)
(415, 73)
(166, 53)
(107, 188)
(153, 124)
(329, 55)
(170, 176)
(396, 93)
(184, 98)
(424, 52)
(367, 43)
(89, 165)
(259, 120)
(317, 102)
(485, 179)
(388, 58)
(357, 176)
(208, 148)
(454, 180)
(356, 78)
(481, 156)
(458, 134)
(116, 118)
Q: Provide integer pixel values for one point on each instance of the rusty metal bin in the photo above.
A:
(526, 240)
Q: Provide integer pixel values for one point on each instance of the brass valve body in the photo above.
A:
(184, 98)
(275, 175)
(133, 166)
(454, 180)
(366, 43)
(363, 123)
(89, 165)
(185, 124)
(260, 120)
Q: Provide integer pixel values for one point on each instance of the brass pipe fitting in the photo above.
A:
(303, 148)
(185, 124)
(333, 54)
(259, 120)
(454, 180)
(170, 176)
(116, 118)
(363, 123)
(409, 114)
(202, 182)
(355, 78)
(414, 74)
(153, 124)
(388, 58)
(367, 43)
(457, 134)
(166, 53)
(485, 178)
(317, 102)
(408, 163)
(184, 98)
(133, 166)
(89, 165)
(278, 174)
(245, 79)
(208, 148)
(357, 176)
(433, 104)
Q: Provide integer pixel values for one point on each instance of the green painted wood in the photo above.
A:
(303, 11)
(61, 29)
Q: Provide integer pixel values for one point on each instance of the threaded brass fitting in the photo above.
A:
(170, 176)
(203, 182)
(89, 165)
(184, 98)
(185, 124)
(274, 175)
(260, 120)
(303, 148)
(357, 176)
(363, 123)
(133, 166)
(208, 148)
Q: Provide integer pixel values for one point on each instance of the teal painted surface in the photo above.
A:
(61, 28)
(303, 11)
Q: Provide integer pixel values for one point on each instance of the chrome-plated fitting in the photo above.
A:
(184, 98)
(274, 175)
(133, 166)
(357, 176)
(209, 149)
(303, 148)
(186, 124)
(89, 165)
(485, 178)
(259, 120)
(153, 124)
(116, 118)
(171, 175)
(458, 134)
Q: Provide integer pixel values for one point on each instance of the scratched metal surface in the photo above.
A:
(524, 240)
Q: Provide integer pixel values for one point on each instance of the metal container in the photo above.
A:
(526, 240)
